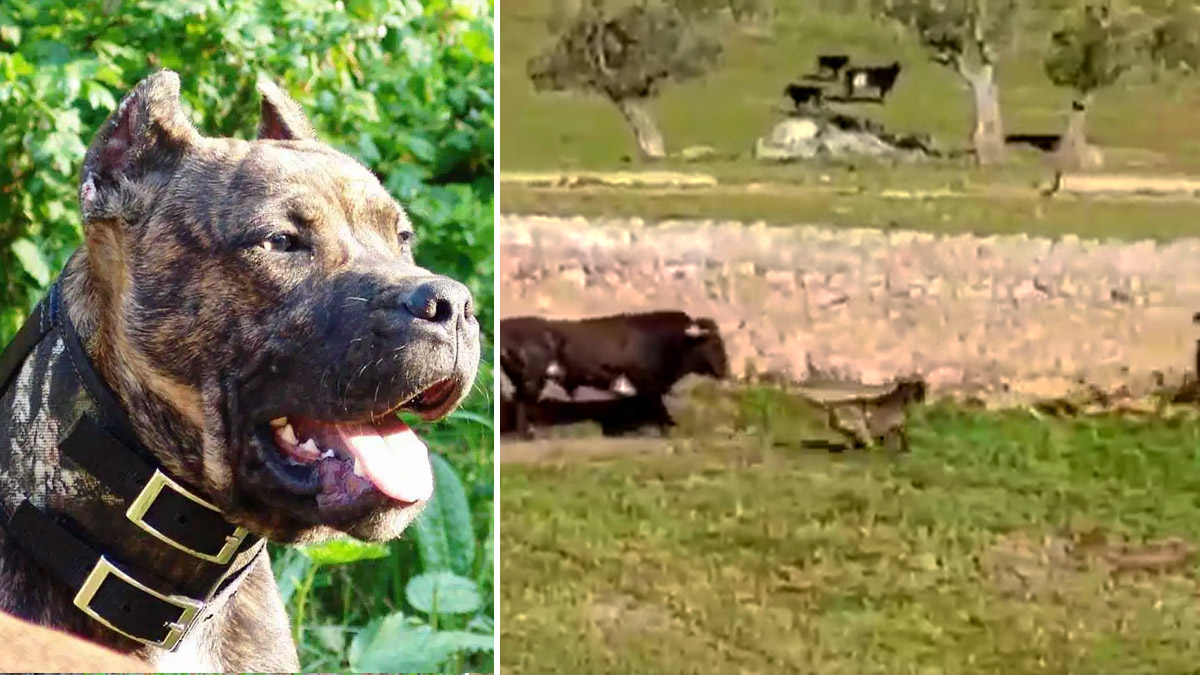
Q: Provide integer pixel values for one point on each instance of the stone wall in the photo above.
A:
(1006, 316)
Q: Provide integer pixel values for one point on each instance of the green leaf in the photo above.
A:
(442, 593)
(332, 638)
(463, 641)
(473, 417)
(11, 35)
(486, 565)
(443, 533)
(99, 97)
(32, 260)
(368, 152)
(290, 569)
(422, 149)
(342, 551)
(397, 645)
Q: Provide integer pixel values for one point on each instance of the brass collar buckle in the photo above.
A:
(145, 499)
(189, 609)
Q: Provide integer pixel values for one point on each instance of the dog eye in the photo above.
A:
(281, 243)
(406, 237)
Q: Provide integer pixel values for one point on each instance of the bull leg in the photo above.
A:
(525, 392)
(521, 419)
(656, 412)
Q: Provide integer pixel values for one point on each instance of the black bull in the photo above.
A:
(652, 351)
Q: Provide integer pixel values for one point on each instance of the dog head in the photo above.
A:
(263, 295)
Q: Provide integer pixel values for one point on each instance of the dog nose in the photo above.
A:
(440, 301)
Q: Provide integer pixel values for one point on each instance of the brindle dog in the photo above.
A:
(239, 298)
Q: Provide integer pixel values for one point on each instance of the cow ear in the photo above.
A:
(281, 118)
(147, 133)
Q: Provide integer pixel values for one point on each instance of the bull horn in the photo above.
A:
(695, 330)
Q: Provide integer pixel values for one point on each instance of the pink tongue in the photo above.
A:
(395, 460)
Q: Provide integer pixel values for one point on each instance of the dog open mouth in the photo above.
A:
(350, 467)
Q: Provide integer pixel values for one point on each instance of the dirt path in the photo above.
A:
(1119, 187)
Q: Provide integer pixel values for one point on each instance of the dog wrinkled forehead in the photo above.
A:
(149, 138)
(225, 187)
(311, 186)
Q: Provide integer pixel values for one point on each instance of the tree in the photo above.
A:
(1091, 49)
(1174, 43)
(741, 11)
(967, 36)
(627, 57)
(1096, 44)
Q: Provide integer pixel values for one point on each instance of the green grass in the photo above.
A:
(739, 101)
(984, 550)
(1126, 219)
(1144, 126)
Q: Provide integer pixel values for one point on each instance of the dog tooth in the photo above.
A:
(279, 422)
(288, 434)
(358, 470)
(327, 454)
(309, 446)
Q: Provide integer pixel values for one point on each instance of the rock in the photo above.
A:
(793, 138)
(793, 130)
(833, 136)
(696, 153)
(842, 144)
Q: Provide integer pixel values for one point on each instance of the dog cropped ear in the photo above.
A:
(281, 118)
(148, 131)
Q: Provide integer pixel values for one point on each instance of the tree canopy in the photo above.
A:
(1092, 48)
(956, 31)
(631, 53)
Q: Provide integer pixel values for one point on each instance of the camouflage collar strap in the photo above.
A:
(135, 604)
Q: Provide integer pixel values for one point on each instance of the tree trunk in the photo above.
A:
(1073, 152)
(987, 135)
(637, 114)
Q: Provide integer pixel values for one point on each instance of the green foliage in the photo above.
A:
(629, 53)
(738, 10)
(398, 644)
(1174, 43)
(342, 551)
(404, 86)
(982, 551)
(419, 616)
(955, 30)
(1092, 48)
(443, 534)
(442, 593)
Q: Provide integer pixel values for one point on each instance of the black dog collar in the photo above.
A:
(144, 608)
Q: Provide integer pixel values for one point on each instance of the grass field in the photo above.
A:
(1098, 218)
(1149, 125)
(1144, 126)
(1002, 544)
